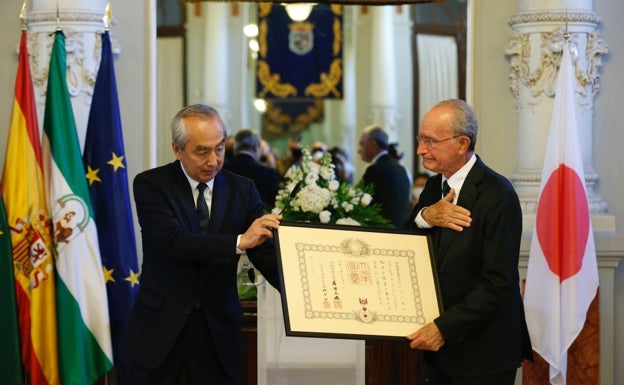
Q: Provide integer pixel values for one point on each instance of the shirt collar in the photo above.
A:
(456, 181)
(382, 153)
(193, 183)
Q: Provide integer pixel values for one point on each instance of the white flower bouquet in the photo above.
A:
(323, 198)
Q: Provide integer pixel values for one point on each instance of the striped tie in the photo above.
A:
(202, 208)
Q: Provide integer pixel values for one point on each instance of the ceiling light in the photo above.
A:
(250, 30)
(253, 45)
(260, 105)
(299, 11)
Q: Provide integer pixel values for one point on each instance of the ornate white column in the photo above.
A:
(215, 57)
(81, 22)
(384, 109)
(535, 54)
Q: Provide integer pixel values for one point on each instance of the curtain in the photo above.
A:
(438, 73)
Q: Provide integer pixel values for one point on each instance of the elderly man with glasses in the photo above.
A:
(473, 217)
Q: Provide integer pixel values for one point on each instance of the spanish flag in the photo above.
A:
(29, 223)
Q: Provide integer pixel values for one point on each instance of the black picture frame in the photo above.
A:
(355, 282)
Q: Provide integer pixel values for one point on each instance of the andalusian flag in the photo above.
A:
(85, 351)
(105, 165)
(10, 362)
(29, 221)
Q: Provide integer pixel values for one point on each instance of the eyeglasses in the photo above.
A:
(432, 143)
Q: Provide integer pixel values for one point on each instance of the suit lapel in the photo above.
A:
(220, 193)
(470, 189)
(467, 197)
(182, 192)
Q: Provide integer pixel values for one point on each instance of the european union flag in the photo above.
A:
(105, 166)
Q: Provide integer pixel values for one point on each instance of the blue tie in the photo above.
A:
(202, 208)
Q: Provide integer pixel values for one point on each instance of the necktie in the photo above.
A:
(202, 207)
(445, 188)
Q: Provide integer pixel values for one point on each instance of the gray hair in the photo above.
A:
(246, 139)
(200, 111)
(464, 121)
(378, 134)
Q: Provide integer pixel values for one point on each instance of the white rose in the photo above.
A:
(325, 216)
(366, 200)
(311, 179)
(333, 185)
(312, 199)
(347, 221)
(327, 173)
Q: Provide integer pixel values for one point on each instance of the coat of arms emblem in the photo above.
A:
(301, 38)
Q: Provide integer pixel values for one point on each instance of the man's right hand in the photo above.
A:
(446, 214)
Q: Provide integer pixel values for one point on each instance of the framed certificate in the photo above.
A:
(354, 282)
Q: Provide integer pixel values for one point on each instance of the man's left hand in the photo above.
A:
(428, 337)
(260, 230)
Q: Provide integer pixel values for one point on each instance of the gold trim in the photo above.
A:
(264, 9)
(272, 83)
(327, 84)
(263, 30)
(337, 28)
(277, 124)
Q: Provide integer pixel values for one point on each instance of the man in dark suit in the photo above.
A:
(247, 146)
(186, 321)
(481, 337)
(389, 178)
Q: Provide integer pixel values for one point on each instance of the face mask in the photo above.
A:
(416, 191)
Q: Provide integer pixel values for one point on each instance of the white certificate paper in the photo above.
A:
(351, 282)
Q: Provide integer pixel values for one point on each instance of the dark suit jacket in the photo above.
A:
(392, 188)
(483, 320)
(266, 178)
(181, 266)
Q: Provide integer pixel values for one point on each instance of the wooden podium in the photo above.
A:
(249, 374)
(393, 363)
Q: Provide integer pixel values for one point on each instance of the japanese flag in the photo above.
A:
(562, 275)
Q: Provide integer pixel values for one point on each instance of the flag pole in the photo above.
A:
(566, 34)
(58, 17)
(22, 16)
(108, 17)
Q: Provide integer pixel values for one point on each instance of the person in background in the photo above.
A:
(388, 178)
(293, 158)
(397, 153)
(246, 162)
(342, 166)
(267, 156)
(473, 217)
(318, 150)
(229, 147)
(186, 321)
(418, 185)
